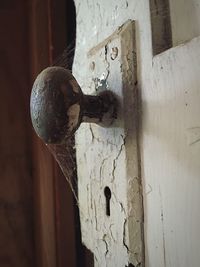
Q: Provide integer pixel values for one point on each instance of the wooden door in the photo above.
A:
(16, 183)
(161, 152)
(38, 224)
(52, 29)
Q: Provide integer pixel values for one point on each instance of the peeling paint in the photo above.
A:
(117, 157)
(95, 216)
(105, 156)
(124, 236)
(107, 247)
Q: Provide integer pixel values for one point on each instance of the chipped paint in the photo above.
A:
(107, 157)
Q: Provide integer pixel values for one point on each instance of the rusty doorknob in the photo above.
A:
(58, 105)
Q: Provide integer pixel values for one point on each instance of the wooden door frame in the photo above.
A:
(48, 39)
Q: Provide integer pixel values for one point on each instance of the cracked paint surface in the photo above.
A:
(169, 84)
(107, 157)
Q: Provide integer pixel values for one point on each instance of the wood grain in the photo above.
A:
(44, 192)
(16, 183)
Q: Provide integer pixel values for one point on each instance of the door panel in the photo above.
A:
(185, 20)
(170, 157)
(168, 86)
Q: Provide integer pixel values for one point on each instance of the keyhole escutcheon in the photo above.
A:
(107, 193)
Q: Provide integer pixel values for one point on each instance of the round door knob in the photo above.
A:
(58, 106)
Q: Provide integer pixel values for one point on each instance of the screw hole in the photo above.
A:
(92, 65)
(114, 53)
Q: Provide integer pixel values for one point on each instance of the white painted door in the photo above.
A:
(127, 47)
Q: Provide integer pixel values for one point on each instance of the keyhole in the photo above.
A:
(107, 194)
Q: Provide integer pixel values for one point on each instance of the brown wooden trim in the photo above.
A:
(64, 201)
(43, 166)
(54, 203)
(16, 190)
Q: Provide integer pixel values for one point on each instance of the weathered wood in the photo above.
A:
(107, 158)
(169, 135)
(170, 158)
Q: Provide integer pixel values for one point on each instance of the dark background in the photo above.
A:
(39, 223)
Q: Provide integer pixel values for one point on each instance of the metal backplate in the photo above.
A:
(107, 158)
